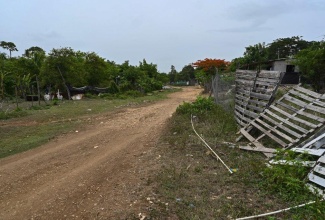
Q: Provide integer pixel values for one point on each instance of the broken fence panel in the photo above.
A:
(317, 177)
(254, 92)
(294, 117)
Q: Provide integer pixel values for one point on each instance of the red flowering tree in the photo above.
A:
(206, 69)
(210, 65)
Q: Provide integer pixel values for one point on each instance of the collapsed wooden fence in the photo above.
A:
(254, 92)
(289, 120)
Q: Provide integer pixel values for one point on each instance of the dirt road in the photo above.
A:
(90, 174)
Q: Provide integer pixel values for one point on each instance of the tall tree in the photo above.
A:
(255, 55)
(311, 62)
(67, 63)
(96, 70)
(33, 50)
(172, 74)
(8, 46)
(187, 73)
(285, 47)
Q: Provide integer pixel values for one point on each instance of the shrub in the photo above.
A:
(201, 105)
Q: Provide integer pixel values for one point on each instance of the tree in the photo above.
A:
(187, 73)
(206, 69)
(33, 50)
(311, 62)
(286, 47)
(35, 57)
(150, 69)
(67, 64)
(255, 55)
(96, 70)
(172, 74)
(8, 46)
(210, 65)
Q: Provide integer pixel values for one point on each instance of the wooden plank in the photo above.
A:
(308, 98)
(319, 169)
(290, 116)
(240, 122)
(287, 106)
(321, 159)
(280, 125)
(246, 112)
(315, 152)
(241, 103)
(316, 190)
(287, 122)
(244, 82)
(275, 130)
(260, 89)
(259, 149)
(271, 81)
(300, 112)
(310, 143)
(242, 97)
(268, 134)
(258, 102)
(306, 91)
(304, 104)
(320, 103)
(249, 72)
(316, 179)
(316, 118)
(251, 139)
(269, 74)
(294, 163)
(243, 91)
(255, 108)
(295, 101)
(266, 84)
(260, 96)
(242, 117)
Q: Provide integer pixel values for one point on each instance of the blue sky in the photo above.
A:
(164, 32)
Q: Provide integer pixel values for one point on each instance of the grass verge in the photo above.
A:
(30, 126)
(191, 184)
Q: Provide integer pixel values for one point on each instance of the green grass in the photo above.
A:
(197, 186)
(31, 126)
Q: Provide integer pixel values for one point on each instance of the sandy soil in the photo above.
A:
(95, 173)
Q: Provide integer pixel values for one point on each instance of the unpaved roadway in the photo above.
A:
(90, 174)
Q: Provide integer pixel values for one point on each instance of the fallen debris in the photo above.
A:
(295, 116)
(316, 177)
(276, 212)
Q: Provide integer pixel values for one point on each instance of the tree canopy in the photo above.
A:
(8, 46)
(65, 66)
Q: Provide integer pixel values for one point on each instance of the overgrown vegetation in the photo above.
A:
(37, 72)
(196, 186)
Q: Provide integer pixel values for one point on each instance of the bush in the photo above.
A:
(133, 93)
(201, 105)
(12, 114)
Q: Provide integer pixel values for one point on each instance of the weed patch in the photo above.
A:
(196, 186)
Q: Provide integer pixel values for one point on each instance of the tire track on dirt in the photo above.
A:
(85, 174)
